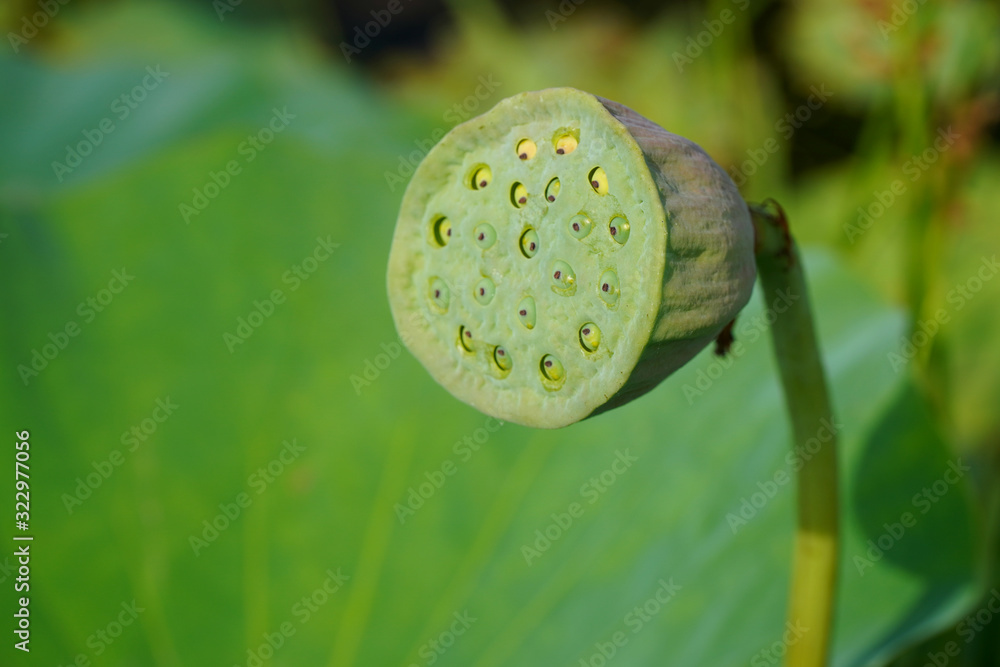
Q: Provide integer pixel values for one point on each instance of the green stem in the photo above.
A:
(814, 574)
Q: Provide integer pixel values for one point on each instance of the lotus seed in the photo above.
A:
(526, 149)
(609, 288)
(580, 226)
(552, 190)
(484, 292)
(485, 235)
(465, 339)
(552, 369)
(502, 359)
(442, 231)
(529, 243)
(526, 312)
(599, 181)
(439, 294)
(566, 144)
(481, 177)
(518, 195)
(563, 279)
(590, 337)
(619, 229)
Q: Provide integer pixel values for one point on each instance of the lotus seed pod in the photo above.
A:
(561, 255)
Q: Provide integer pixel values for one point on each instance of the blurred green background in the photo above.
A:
(234, 463)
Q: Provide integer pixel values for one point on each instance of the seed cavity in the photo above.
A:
(484, 291)
(526, 149)
(608, 289)
(438, 294)
(563, 278)
(465, 339)
(590, 337)
(619, 228)
(441, 230)
(552, 190)
(484, 235)
(482, 176)
(502, 358)
(518, 195)
(526, 312)
(566, 141)
(529, 243)
(552, 369)
(580, 225)
(598, 180)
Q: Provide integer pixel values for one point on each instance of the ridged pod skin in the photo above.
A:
(561, 255)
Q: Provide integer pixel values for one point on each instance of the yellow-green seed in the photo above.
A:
(563, 278)
(552, 368)
(484, 235)
(482, 177)
(526, 149)
(566, 144)
(590, 337)
(608, 288)
(580, 225)
(518, 195)
(526, 312)
(598, 180)
(552, 190)
(502, 358)
(438, 294)
(619, 229)
(465, 339)
(529, 243)
(442, 231)
(484, 291)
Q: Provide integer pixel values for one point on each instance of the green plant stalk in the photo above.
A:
(814, 574)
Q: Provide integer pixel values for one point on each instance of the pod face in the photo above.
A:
(528, 300)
